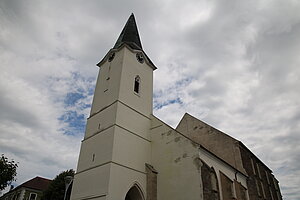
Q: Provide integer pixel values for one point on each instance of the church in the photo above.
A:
(127, 153)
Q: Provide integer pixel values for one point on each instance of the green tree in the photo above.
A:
(56, 189)
(8, 172)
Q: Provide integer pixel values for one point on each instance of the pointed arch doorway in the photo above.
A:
(134, 194)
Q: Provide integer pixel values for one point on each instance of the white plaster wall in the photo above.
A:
(130, 68)
(131, 150)
(102, 97)
(131, 146)
(91, 183)
(122, 179)
(123, 69)
(130, 119)
(100, 145)
(106, 118)
(173, 156)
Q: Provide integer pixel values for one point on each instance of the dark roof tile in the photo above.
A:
(37, 183)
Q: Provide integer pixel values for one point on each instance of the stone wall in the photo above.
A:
(261, 182)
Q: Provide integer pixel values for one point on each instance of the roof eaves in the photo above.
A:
(130, 47)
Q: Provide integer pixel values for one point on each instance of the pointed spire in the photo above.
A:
(130, 35)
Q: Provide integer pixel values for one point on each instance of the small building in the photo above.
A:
(129, 154)
(30, 190)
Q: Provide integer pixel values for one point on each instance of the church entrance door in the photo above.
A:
(134, 194)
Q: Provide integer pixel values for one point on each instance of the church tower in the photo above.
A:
(116, 144)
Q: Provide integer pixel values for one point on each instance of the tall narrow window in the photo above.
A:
(227, 187)
(214, 180)
(271, 193)
(263, 189)
(32, 196)
(258, 188)
(241, 191)
(258, 170)
(252, 164)
(137, 83)
(268, 180)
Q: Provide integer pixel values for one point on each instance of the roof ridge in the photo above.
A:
(43, 178)
(207, 124)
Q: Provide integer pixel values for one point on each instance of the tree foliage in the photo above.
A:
(8, 172)
(56, 189)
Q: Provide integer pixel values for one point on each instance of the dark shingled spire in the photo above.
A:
(130, 35)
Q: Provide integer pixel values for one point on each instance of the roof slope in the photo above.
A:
(129, 35)
(37, 183)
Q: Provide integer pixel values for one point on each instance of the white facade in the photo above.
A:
(174, 156)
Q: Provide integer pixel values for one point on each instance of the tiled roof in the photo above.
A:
(37, 183)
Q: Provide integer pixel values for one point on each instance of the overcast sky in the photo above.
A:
(233, 64)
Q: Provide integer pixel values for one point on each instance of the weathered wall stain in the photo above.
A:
(177, 160)
(197, 162)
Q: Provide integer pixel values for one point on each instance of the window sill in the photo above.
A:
(137, 94)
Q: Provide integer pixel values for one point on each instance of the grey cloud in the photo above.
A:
(241, 57)
(11, 112)
(265, 44)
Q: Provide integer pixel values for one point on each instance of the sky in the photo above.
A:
(233, 64)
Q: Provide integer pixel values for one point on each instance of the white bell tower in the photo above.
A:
(116, 144)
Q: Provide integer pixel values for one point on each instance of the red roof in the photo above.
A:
(37, 183)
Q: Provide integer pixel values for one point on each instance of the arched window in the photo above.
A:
(214, 181)
(137, 84)
(209, 182)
